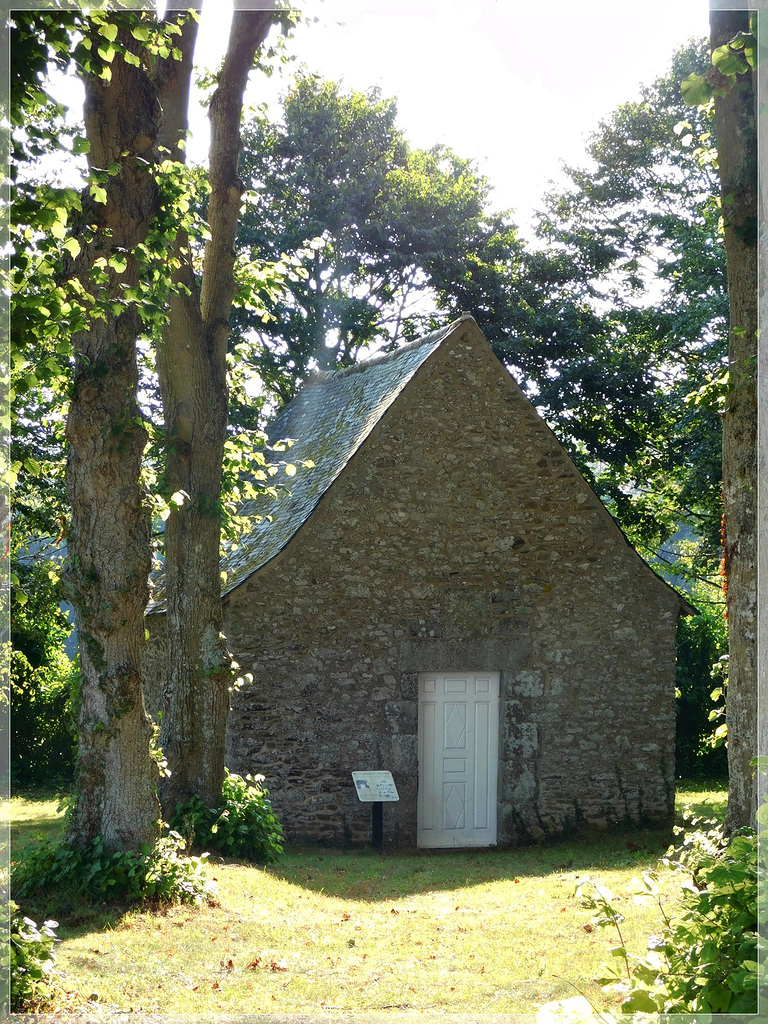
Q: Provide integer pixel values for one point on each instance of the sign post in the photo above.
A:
(376, 788)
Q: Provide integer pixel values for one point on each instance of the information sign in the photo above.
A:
(375, 786)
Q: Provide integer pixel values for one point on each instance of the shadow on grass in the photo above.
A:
(375, 877)
(368, 876)
(29, 833)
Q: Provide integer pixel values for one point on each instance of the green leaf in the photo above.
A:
(696, 90)
(140, 32)
(118, 262)
(729, 62)
(80, 145)
(72, 246)
(109, 31)
(98, 193)
(107, 53)
(639, 1001)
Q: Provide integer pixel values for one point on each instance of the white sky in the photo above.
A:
(515, 84)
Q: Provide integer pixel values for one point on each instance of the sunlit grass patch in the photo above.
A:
(702, 799)
(360, 931)
(36, 815)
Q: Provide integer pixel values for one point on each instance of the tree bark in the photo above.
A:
(192, 372)
(762, 429)
(737, 158)
(108, 556)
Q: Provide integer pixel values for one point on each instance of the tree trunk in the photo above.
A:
(762, 429)
(737, 157)
(192, 372)
(108, 557)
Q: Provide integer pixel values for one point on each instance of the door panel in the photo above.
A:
(458, 758)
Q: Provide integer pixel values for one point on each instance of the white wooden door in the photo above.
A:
(458, 758)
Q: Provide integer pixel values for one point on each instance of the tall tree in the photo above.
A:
(192, 371)
(109, 556)
(628, 334)
(372, 223)
(105, 261)
(732, 78)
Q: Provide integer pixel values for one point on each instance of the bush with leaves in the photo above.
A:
(42, 676)
(702, 644)
(243, 826)
(705, 959)
(161, 873)
(31, 960)
(43, 743)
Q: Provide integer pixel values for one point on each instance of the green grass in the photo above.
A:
(491, 931)
(35, 816)
(702, 799)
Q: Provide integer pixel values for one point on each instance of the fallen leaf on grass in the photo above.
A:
(265, 965)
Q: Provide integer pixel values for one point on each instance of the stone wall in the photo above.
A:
(460, 537)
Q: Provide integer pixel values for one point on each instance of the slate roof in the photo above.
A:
(328, 421)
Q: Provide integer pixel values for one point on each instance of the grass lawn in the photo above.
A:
(444, 932)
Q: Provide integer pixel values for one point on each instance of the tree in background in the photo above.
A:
(702, 657)
(376, 225)
(42, 743)
(625, 343)
(42, 677)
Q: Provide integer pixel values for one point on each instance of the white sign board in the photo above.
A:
(375, 786)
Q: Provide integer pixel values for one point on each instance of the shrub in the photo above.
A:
(31, 961)
(702, 642)
(42, 737)
(162, 872)
(243, 826)
(705, 959)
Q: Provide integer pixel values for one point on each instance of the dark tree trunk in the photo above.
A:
(108, 558)
(192, 372)
(737, 157)
(762, 431)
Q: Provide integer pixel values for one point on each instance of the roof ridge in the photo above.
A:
(322, 376)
